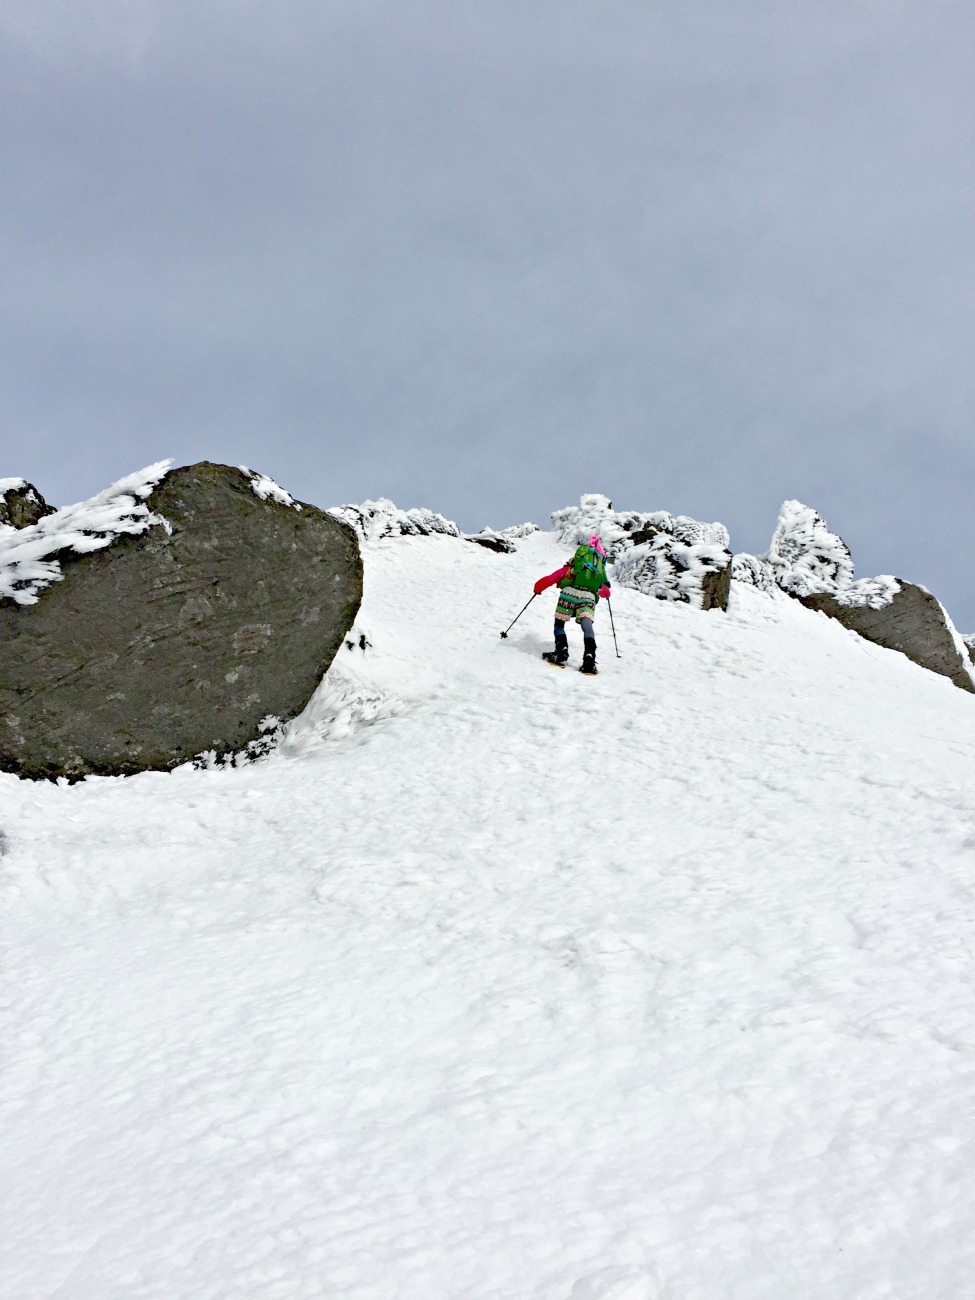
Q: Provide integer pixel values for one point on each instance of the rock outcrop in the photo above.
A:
(810, 562)
(666, 556)
(376, 520)
(913, 622)
(171, 620)
(21, 504)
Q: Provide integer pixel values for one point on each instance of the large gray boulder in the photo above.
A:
(217, 607)
(913, 622)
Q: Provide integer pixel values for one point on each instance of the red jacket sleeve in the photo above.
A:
(543, 583)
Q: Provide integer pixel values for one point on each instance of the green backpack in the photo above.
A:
(588, 570)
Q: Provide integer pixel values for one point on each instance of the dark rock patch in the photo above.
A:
(716, 588)
(181, 640)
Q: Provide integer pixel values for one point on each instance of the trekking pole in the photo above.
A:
(609, 606)
(517, 617)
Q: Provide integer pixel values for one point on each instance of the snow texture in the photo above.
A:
(11, 485)
(29, 556)
(265, 488)
(375, 520)
(807, 559)
(499, 982)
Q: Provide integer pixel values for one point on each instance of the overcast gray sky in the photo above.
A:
(486, 255)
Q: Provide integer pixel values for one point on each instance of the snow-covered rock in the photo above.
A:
(375, 520)
(805, 555)
(812, 563)
(666, 556)
(380, 519)
(176, 613)
(698, 573)
(502, 542)
(753, 571)
(21, 504)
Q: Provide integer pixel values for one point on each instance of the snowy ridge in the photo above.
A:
(497, 982)
(28, 556)
(11, 485)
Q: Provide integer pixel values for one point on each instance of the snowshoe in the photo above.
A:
(589, 658)
(560, 655)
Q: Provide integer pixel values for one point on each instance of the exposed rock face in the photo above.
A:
(914, 623)
(811, 563)
(226, 610)
(21, 504)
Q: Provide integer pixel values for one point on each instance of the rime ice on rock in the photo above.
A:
(382, 518)
(808, 559)
(813, 564)
(374, 520)
(665, 556)
(753, 571)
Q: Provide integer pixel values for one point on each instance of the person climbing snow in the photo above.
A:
(581, 583)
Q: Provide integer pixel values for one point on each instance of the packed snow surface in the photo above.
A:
(497, 982)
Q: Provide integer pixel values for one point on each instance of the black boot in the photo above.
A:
(560, 654)
(589, 656)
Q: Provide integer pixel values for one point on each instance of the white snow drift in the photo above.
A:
(497, 982)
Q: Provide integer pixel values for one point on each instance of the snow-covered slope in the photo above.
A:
(498, 982)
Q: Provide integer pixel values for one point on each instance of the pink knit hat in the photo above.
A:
(597, 545)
